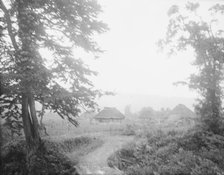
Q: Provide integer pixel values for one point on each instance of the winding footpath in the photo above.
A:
(95, 162)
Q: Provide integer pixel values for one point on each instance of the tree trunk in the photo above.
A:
(26, 121)
(30, 122)
(33, 140)
(34, 117)
(42, 126)
(215, 109)
(35, 147)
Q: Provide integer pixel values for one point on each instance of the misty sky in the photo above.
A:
(132, 62)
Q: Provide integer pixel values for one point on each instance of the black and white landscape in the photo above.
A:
(111, 87)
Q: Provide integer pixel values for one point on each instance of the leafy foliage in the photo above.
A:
(60, 83)
(186, 30)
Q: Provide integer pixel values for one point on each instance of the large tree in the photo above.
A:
(59, 81)
(187, 29)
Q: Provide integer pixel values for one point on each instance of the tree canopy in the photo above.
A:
(187, 29)
(59, 80)
(59, 26)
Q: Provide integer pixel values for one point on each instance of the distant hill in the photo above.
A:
(137, 101)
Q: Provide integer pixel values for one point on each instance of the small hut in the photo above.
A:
(181, 115)
(182, 111)
(109, 114)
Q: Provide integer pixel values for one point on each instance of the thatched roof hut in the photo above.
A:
(109, 114)
(182, 116)
(182, 111)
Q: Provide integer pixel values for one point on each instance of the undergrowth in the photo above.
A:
(174, 153)
(54, 163)
(69, 145)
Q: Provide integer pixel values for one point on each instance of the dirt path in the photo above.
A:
(95, 163)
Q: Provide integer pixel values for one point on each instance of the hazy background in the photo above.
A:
(132, 65)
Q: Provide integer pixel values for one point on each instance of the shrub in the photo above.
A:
(129, 129)
(122, 158)
(174, 153)
(51, 163)
(13, 157)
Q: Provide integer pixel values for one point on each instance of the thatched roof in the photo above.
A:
(109, 113)
(183, 111)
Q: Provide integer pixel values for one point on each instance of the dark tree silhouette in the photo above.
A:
(60, 83)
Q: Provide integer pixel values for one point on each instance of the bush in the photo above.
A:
(129, 129)
(173, 153)
(122, 158)
(13, 156)
(52, 162)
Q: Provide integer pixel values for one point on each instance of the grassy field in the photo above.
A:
(57, 127)
(89, 145)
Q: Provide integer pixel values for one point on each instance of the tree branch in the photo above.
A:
(9, 25)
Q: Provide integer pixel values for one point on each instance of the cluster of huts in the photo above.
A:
(179, 114)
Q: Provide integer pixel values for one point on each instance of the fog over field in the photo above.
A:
(138, 101)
